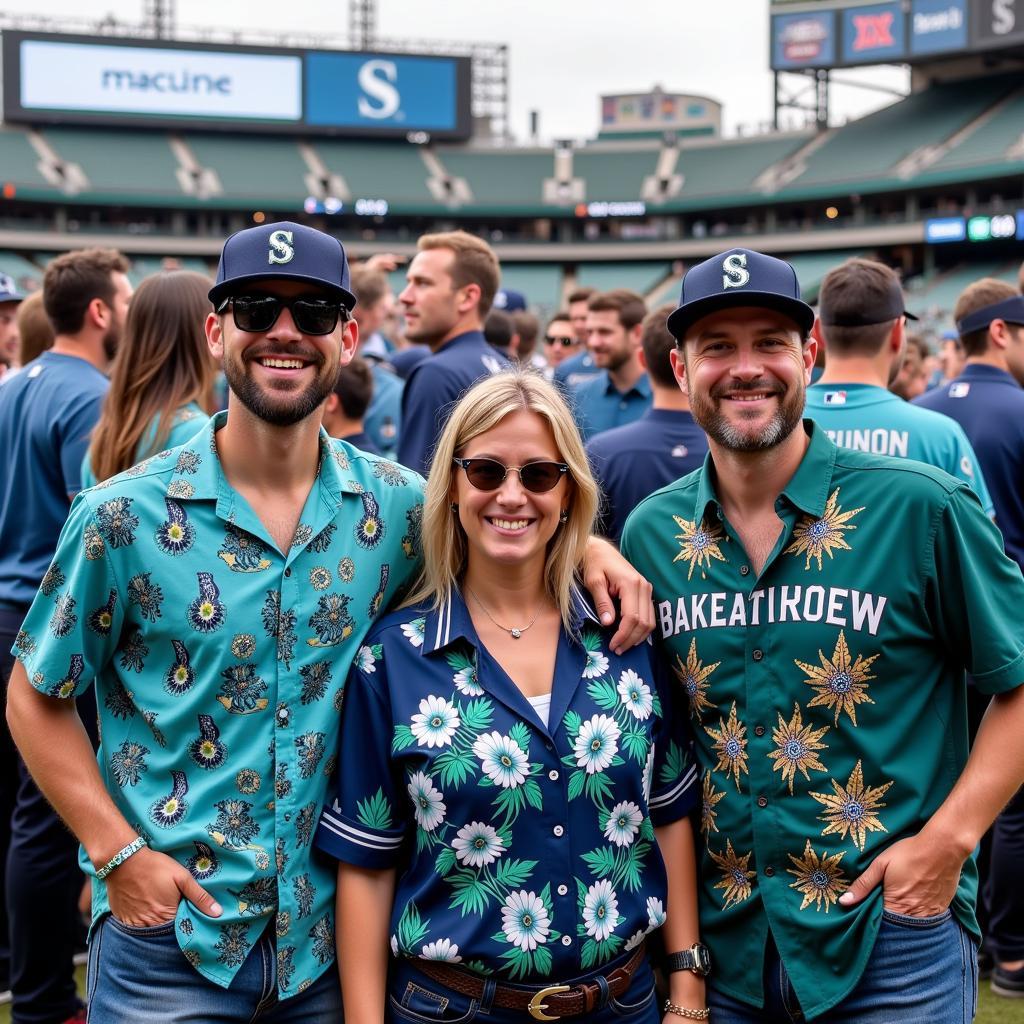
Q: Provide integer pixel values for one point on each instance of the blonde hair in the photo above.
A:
(485, 405)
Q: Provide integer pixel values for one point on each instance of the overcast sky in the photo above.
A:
(564, 53)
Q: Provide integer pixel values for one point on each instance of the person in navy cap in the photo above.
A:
(218, 594)
(987, 401)
(842, 802)
(633, 461)
(10, 299)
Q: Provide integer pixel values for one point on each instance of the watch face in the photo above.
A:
(702, 956)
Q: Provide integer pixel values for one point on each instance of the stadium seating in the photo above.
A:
(936, 294)
(255, 171)
(867, 152)
(811, 268)
(984, 149)
(541, 283)
(501, 179)
(614, 175)
(393, 171)
(726, 171)
(639, 277)
(22, 270)
(20, 162)
(119, 165)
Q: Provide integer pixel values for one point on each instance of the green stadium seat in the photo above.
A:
(727, 169)
(638, 277)
(987, 145)
(394, 171)
(614, 175)
(867, 152)
(258, 171)
(19, 161)
(936, 295)
(119, 165)
(22, 270)
(541, 283)
(502, 180)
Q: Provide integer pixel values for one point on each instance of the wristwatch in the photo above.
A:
(697, 959)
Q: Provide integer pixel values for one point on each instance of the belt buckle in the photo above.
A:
(537, 1006)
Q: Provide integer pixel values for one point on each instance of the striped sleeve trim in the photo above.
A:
(669, 797)
(350, 834)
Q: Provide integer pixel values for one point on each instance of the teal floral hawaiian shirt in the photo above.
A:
(220, 665)
(524, 850)
(826, 693)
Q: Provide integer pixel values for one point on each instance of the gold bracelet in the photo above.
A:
(682, 1011)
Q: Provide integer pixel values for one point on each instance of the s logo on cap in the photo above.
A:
(735, 273)
(281, 248)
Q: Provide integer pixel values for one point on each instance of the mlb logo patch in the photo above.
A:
(959, 390)
(835, 398)
(680, 451)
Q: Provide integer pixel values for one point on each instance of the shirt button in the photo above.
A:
(757, 654)
(562, 890)
(558, 830)
(769, 871)
(758, 730)
(762, 801)
(553, 775)
(744, 570)
(566, 940)
(287, 572)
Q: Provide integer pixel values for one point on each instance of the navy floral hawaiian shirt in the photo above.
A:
(219, 665)
(523, 850)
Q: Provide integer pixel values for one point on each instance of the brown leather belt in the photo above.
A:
(549, 1003)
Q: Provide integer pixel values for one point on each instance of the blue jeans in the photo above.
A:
(923, 970)
(413, 998)
(140, 975)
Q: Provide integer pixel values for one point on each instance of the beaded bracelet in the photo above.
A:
(682, 1011)
(121, 856)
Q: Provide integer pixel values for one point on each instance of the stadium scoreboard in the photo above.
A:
(834, 34)
(62, 79)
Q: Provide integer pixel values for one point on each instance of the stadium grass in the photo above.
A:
(991, 1009)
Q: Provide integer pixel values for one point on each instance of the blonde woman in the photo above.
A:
(511, 789)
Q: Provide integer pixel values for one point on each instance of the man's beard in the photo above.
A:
(112, 341)
(297, 408)
(719, 428)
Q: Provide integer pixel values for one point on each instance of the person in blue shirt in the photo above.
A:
(383, 420)
(633, 461)
(46, 413)
(161, 381)
(861, 325)
(987, 400)
(511, 807)
(345, 408)
(452, 281)
(580, 366)
(621, 391)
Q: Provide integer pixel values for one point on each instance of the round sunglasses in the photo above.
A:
(489, 474)
(255, 314)
(559, 340)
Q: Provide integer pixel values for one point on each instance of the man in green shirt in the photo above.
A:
(820, 607)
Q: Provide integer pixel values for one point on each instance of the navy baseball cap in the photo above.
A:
(509, 301)
(739, 277)
(9, 290)
(284, 250)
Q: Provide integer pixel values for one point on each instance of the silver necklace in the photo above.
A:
(514, 631)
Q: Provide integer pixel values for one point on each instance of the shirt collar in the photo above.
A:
(209, 483)
(807, 490)
(451, 622)
(982, 371)
(641, 387)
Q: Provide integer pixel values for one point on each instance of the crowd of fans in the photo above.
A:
(97, 379)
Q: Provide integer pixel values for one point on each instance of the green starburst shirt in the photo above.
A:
(219, 664)
(827, 695)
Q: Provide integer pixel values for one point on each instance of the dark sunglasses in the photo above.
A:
(564, 342)
(489, 474)
(258, 313)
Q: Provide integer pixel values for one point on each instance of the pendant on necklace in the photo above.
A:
(516, 633)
